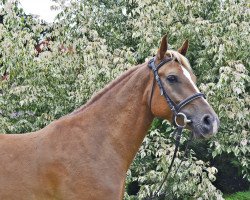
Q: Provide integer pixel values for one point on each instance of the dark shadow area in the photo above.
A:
(133, 188)
(228, 179)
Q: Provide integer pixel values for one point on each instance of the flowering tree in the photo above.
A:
(93, 41)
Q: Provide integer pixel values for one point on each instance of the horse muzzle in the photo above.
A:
(205, 126)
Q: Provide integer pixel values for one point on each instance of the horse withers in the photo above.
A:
(86, 154)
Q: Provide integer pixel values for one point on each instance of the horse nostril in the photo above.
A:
(207, 120)
(207, 123)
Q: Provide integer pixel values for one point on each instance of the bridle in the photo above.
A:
(175, 108)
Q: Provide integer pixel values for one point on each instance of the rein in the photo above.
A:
(175, 108)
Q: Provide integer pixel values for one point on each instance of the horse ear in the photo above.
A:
(183, 49)
(163, 48)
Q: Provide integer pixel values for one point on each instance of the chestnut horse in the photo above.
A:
(86, 154)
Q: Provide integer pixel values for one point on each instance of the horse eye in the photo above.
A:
(172, 79)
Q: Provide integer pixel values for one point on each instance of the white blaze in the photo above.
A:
(187, 74)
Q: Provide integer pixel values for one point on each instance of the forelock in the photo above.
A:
(180, 58)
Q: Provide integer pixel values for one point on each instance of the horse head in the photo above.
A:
(176, 97)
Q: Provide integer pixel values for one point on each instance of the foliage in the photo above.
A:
(234, 114)
(239, 196)
(69, 79)
(108, 37)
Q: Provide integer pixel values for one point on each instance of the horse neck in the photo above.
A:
(121, 117)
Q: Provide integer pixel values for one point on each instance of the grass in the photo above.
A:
(238, 196)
